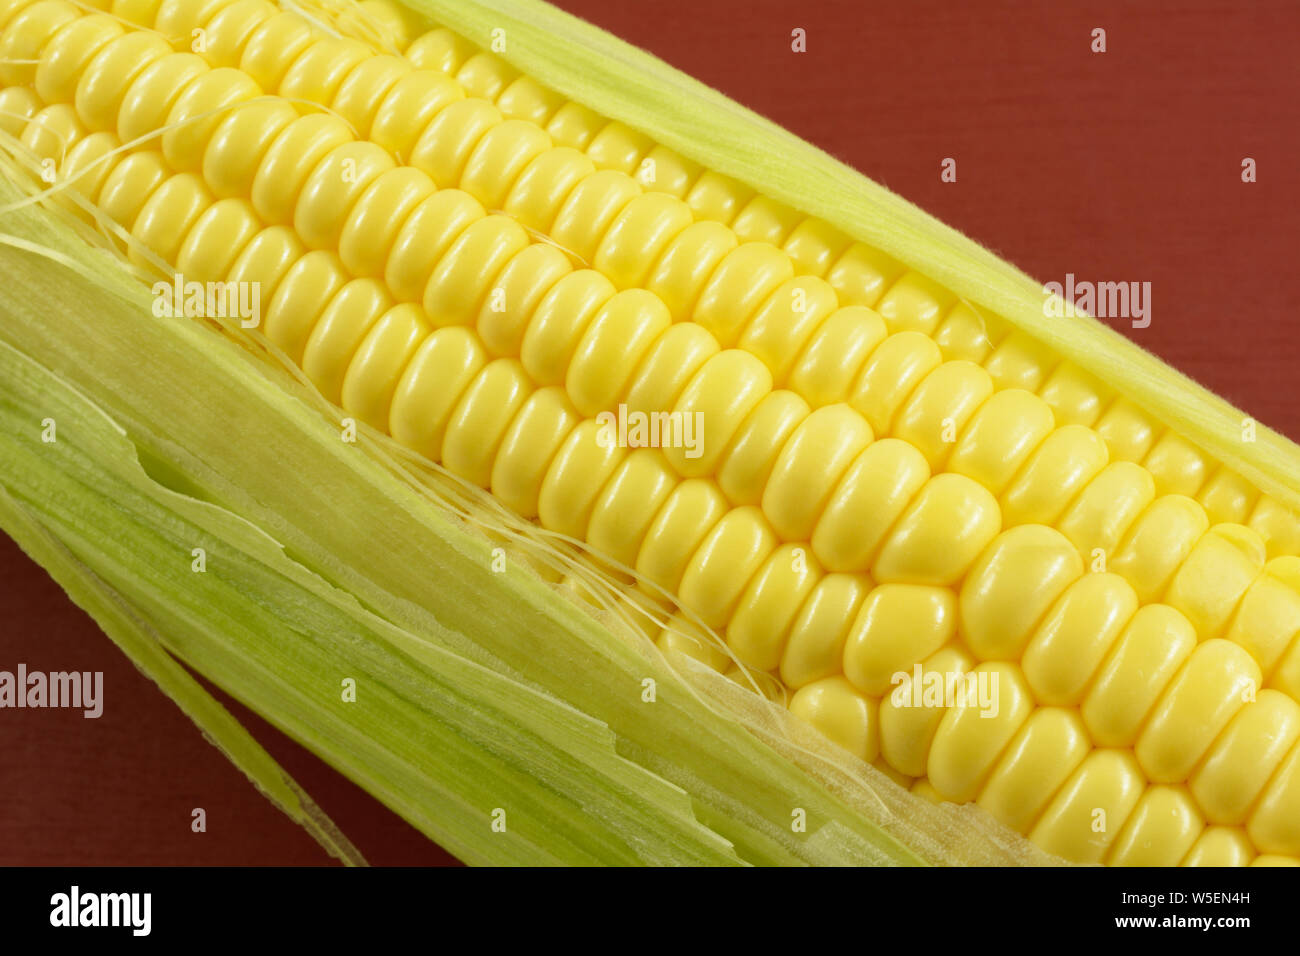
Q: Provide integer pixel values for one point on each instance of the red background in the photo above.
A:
(1118, 166)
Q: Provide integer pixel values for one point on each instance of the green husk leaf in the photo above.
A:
(437, 735)
(128, 629)
(625, 83)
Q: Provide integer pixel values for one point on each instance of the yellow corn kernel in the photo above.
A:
(431, 386)
(199, 111)
(447, 142)
(498, 159)
(1244, 756)
(478, 422)
(993, 703)
(529, 446)
(746, 469)
(1127, 431)
(785, 322)
(1012, 586)
(267, 259)
(339, 332)
(913, 303)
(1088, 813)
(18, 104)
(485, 75)
(1216, 682)
(825, 370)
(668, 172)
(965, 334)
(1074, 396)
(814, 245)
(1160, 831)
(26, 35)
(519, 288)
(51, 131)
(1070, 644)
(724, 391)
(619, 147)
(630, 246)
(911, 713)
(526, 99)
(1177, 467)
(1274, 824)
(536, 195)
(1107, 507)
(730, 555)
(559, 321)
(1041, 757)
(940, 535)
(894, 369)
(760, 624)
(1220, 846)
(766, 220)
(862, 274)
(692, 510)
(590, 209)
(1150, 651)
(1020, 362)
(372, 375)
(301, 297)
(67, 54)
(679, 275)
(333, 190)
(1000, 438)
(669, 365)
(810, 466)
(628, 503)
(440, 50)
(613, 345)
(583, 465)
(219, 235)
(465, 276)
(681, 636)
(874, 493)
(744, 278)
(924, 789)
(1158, 543)
(1267, 619)
(575, 125)
(941, 407)
(111, 74)
(841, 713)
(717, 198)
(898, 626)
(1211, 581)
(167, 217)
(1227, 497)
(816, 646)
(1062, 466)
(1279, 526)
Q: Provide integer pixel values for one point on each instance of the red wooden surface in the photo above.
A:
(1123, 166)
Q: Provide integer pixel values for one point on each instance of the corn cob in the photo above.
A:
(888, 479)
